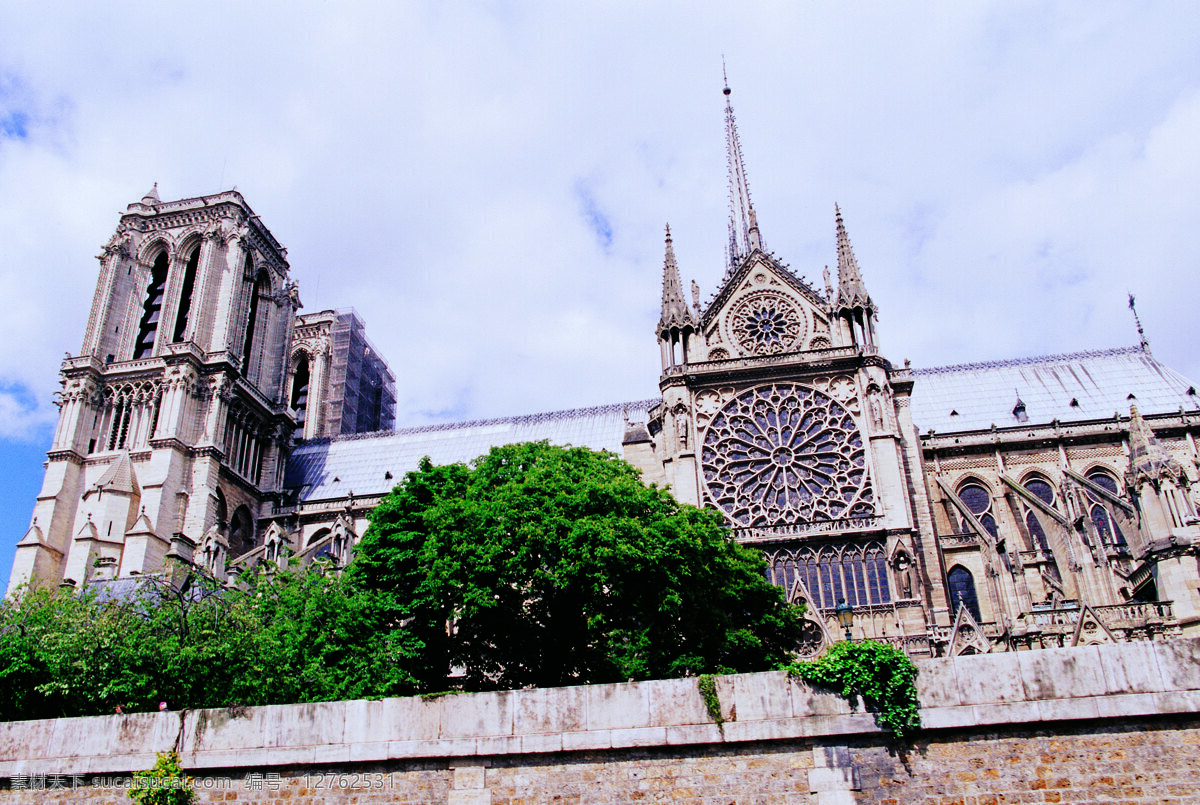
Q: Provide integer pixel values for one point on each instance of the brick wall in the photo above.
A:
(1101, 724)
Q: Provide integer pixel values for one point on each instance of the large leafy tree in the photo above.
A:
(543, 565)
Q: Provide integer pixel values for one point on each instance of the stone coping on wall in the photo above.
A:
(1088, 683)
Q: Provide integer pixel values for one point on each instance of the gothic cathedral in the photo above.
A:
(983, 507)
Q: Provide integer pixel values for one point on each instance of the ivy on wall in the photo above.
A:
(883, 676)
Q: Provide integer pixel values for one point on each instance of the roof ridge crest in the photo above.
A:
(518, 419)
(1030, 361)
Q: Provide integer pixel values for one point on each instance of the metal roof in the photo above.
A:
(361, 463)
(1076, 387)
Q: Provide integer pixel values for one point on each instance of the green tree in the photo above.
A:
(543, 565)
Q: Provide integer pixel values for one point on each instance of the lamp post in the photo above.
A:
(845, 616)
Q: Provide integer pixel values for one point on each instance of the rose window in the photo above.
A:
(785, 454)
(766, 322)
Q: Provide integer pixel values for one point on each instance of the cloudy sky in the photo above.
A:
(487, 183)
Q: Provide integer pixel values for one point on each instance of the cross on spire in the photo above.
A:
(1141, 333)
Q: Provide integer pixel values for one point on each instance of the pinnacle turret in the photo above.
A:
(852, 292)
(1148, 460)
(675, 311)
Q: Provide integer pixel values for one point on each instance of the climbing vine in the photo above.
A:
(882, 675)
(707, 683)
(165, 783)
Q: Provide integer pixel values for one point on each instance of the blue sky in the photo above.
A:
(488, 183)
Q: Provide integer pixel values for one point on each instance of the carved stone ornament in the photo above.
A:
(766, 322)
(118, 245)
(785, 454)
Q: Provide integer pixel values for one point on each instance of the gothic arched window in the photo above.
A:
(1106, 526)
(1043, 491)
(300, 390)
(222, 510)
(151, 308)
(978, 501)
(241, 532)
(255, 317)
(962, 592)
(185, 295)
(856, 573)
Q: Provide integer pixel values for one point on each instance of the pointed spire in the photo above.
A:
(675, 312)
(743, 221)
(151, 196)
(1141, 333)
(852, 292)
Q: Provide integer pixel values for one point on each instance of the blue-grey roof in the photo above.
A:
(1070, 388)
(332, 468)
(1077, 387)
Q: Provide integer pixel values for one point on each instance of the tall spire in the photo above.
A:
(1138, 322)
(852, 292)
(675, 311)
(743, 222)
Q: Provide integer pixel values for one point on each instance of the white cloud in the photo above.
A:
(1007, 171)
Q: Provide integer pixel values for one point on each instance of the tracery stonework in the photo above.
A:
(766, 322)
(785, 454)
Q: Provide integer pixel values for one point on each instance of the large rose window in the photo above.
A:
(766, 322)
(784, 454)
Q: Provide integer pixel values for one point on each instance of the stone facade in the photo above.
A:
(1103, 723)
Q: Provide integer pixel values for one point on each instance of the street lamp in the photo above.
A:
(845, 616)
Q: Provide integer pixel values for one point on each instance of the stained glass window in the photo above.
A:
(979, 502)
(1106, 525)
(962, 591)
(856, 573)
(784, 454)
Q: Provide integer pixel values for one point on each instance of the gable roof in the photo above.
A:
(733, 279)
(974, 396)
(332, 468)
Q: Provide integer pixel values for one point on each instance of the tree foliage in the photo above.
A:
(538, 565)
(286, 636)
(543, 565)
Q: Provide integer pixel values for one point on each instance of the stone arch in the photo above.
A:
(148, 251)
(220, 508)
(153, 299)
(960, 584)
(187, 270)
(300, 389)
(317, 536)
(241, 531)
(980, 504)
(275, 540)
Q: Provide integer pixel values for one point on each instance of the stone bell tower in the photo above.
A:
(780, 412)
(173, 425)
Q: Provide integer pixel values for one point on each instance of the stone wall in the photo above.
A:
(1101, 723)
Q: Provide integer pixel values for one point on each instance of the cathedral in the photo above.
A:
(983, 507)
